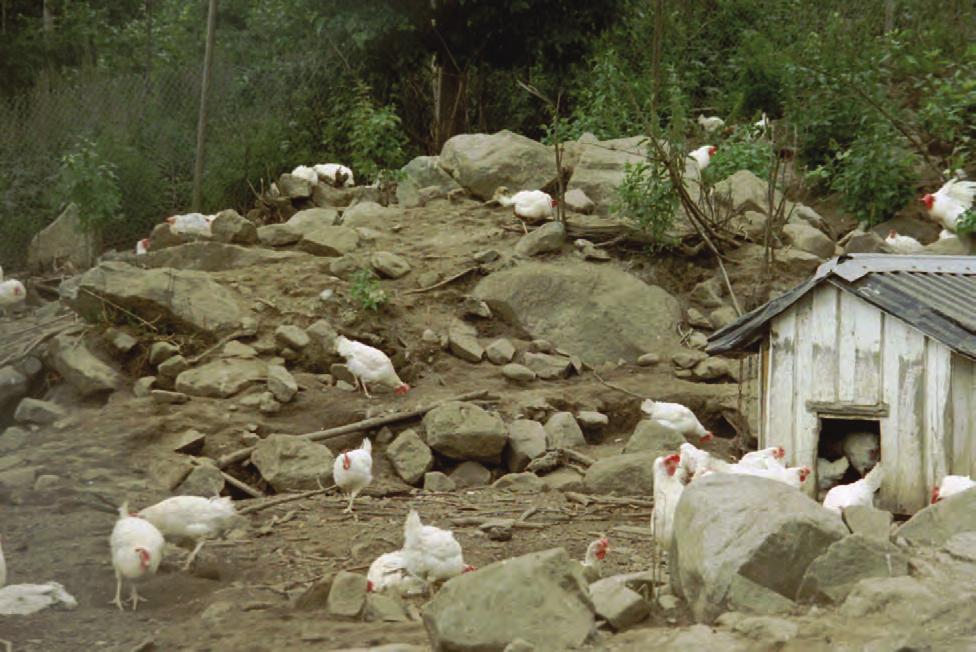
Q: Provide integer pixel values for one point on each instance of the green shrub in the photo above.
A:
(875, 176)
(366, 291)
(376, 141)
(740, 152)
(647, 198)
(90, 182)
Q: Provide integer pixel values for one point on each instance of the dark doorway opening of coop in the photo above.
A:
(830, 444)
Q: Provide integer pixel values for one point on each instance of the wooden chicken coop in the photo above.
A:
(880, 343)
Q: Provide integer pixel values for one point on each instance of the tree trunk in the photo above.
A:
(204, 105)
(47, 18)
(889, 16)
(656, 54)
(450, 91)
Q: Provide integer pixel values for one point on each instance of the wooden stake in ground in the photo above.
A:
(204, 105)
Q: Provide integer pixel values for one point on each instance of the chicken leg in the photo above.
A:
(193, 555)
(362, 383)
(352, 497)
(135, 598)
(118, 593)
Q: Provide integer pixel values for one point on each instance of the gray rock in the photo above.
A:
(278, 235)
(518, 373)
(268, 404)
(329, 241)
(688, 359)
(20, 478)
(486, 256)
(163, 397)
(222, 377)
(281, 384)
(12, 439)
(422, 172)
(347, 597)
(183, 300)
(120, 341)
(71, 357)
(728, 529)
(463, 341)
(64, 240)
(317, 595)
(653, 436)
(797, 260)
(369, 214)
(750, 224)
(620, 606)
(292, 337)
(172, 367)
(472, 307)
(696, 319)
(592, 421)
(545, 239)
(464, 431)
(806, 238)
(562, 431)
(205, 256)
(961, 546)
(564, 479)
(590, 251)
(389, 265)
(290, 463)
(709, 293)
(235, 349)
(745, 191)
(312, 218)
(541, 346)
(13, 386)
(204, 480)
(159, 352)
(526, 441)
(575, 304)
(577, 201)
(168, 471)
(341, 372)
(382, 608)
(501, 351)
(482, 162)
(470, 474)
(498, 529)
(832, 575)
(768, 630)
(722, 317)
(320, 351)
(31, 410)
(524, 482)
(648, 360)
(325, 195)
(294, 187)
(898, 598)
(437, 481)
(547, 366)
(228, 226)
(628, 474)
(540, 597)
(869, 521)
(410, 456)
(712, 369)
(142, 387)
(859, 242)
(602, 167)
(937, 523)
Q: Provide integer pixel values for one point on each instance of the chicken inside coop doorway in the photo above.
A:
(847, 448)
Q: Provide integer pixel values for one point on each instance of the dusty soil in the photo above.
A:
(238, 597)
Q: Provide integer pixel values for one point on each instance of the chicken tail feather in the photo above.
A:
(874, 477)
(367, 445)
(411, 530)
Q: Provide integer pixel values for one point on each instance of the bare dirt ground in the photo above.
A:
(239, 596)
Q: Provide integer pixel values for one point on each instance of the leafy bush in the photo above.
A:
(647, 198)
(875, 176)
(376, 141)
(740, 152)
(366, 291)
(90, 182)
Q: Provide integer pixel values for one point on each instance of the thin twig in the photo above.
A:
(224, 340)
(121, 309)
(446, 281)
(280, 500)
(243, 486)
(616, 387)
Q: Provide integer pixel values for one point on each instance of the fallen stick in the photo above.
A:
(366, 424)
(579, 458)
(446, 281)
(477, 521)
(280, 500)
(243, 486)
(586, 499)
(616, 387)
(224, 340)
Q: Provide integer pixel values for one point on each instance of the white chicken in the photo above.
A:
(830, 473)
(903, 244)
(857, 493)
(142, 247)
(949, 203)
(190, 224)
(762, 124)
(369, 365)
(12, 293)
(669, 483)
(696, 463)
(528, 204)
(432, 554)
(794, 476)
(306, 173)
(675, 416)
(711, 123)
(763, 459)
(192, 517)
(137, 549)
(353, 471)
(334, 174)
(388, 574)
(943, 235)
(592, 563)
(950, 486)
(703, 155)
(863, 450)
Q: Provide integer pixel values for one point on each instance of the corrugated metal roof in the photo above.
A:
(935, 294)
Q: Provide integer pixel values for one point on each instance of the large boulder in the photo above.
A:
(833, 574)
(422, 172)
(464, 431)
(329, 240)
(13, 386)
(653, 436)
(629, 474)
(744, 191)
(547, 238)
(526, 441)
(744, 543)
(289, 463)
(410, 456)
(62, 241)
(598, 312)
(602, 166)
(71, 358)
(187, 301)
(312, 218)
(228, 226)
(938, 523)
(541, 598)
(222, 378)
(806, 238)
(483, 162)
(209, 256)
